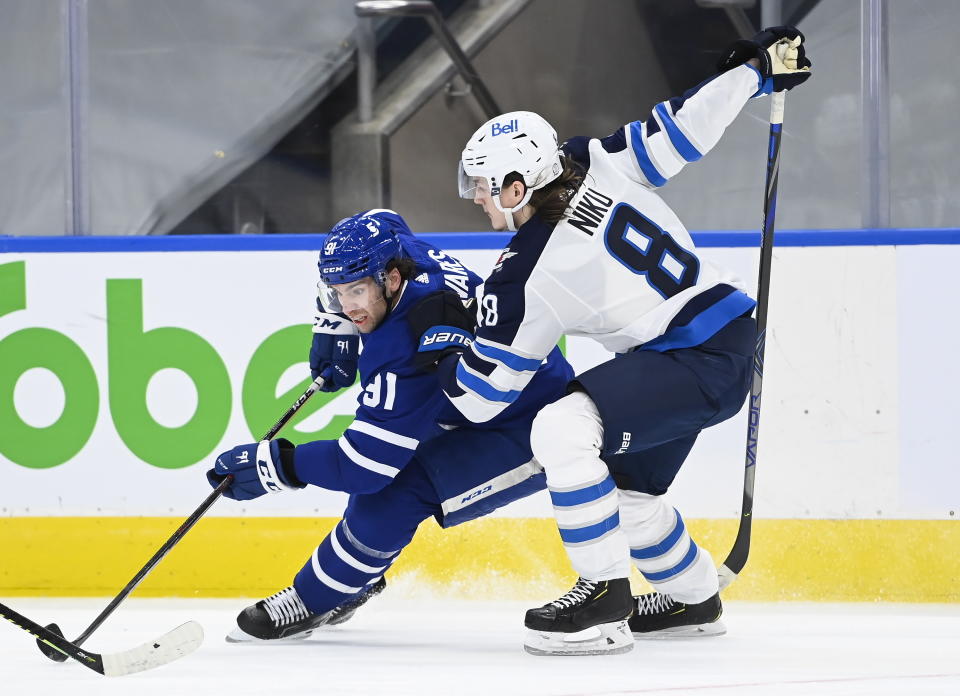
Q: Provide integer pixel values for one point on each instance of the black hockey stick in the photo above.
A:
(60, 655)
(737, 558)
(181, 641)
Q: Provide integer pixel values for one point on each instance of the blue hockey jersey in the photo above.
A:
(401, 407)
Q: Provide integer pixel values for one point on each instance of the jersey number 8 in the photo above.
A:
(647, 250)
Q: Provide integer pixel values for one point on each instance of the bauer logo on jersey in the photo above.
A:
(625, 444)
(511, 126)
(440, 337)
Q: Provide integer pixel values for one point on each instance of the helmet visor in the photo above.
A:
(472, 187)
(328, 298)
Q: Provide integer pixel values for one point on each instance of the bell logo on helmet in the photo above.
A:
(511, 126)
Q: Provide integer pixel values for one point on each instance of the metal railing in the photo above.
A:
(366, 75)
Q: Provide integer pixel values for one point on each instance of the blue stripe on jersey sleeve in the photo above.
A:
(483, 388)
(679, 140)
(643, 159)
(511, 360)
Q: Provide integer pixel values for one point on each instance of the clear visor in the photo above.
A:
(328, 298)
(472, 187)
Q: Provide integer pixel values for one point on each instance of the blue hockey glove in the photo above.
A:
(440, 324)
(780, 52)
(334, 351)
(258, 468)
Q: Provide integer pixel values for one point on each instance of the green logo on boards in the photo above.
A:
(133, 357)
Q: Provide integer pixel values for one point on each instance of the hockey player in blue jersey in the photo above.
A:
(409, 454)
(598, 253)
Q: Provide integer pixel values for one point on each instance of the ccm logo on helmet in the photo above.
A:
(502, 128)
(332, 269)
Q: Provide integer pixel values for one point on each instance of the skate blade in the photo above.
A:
(716, 628)
(605, 639)
(239, 636)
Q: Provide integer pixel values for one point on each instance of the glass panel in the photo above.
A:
(924, 104)
(33, 118)
(820, 152)
(186, 94)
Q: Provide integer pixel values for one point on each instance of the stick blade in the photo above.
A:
(179, 642)
(726, 576)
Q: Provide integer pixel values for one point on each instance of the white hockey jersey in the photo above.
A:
(620, 267)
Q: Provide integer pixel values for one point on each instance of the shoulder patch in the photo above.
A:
(504, 255)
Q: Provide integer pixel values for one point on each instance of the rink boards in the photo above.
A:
(127, 364)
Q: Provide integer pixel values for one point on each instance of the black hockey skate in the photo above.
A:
(659, 616)
(604, 605)
(282, 616)
(346, 610)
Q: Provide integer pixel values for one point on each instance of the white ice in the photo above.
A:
(396, 645)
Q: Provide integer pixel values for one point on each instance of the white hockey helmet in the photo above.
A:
(519, 141)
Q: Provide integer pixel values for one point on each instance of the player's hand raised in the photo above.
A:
(334, 351)
(781, 57)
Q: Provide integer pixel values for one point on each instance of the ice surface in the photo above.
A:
(397, 646)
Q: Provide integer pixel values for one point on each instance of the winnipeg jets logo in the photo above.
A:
(506, 254)
(423, 278)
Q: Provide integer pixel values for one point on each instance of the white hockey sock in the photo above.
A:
(566, 440)
(662, 550)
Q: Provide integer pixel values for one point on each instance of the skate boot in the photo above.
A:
(590, 619)
(282, 616)
(346, 610)
(659, 616)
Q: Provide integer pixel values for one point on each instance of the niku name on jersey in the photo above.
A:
(590, 210)
(454, 274)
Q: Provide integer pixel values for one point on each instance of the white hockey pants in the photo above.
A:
(603, 527)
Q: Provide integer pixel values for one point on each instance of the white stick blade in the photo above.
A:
(726, 576)
(179, 642)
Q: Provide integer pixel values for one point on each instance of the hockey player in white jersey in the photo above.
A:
(598, 253)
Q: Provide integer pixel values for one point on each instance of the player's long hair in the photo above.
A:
(404, 264)
(551, 202)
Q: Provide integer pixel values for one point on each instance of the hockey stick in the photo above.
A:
(60, 655)
(181, 641)
(737, 558)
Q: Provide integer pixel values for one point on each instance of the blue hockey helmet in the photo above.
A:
(357, 247)
(360, 246)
